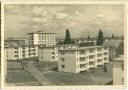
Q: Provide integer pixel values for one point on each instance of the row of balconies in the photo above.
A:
(91, 64)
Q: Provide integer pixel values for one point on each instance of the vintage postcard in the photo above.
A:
(64, 44)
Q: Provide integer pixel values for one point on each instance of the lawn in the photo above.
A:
(21, 78)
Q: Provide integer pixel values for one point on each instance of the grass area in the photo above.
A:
(21, 78)
(44, 66)
(97, 77)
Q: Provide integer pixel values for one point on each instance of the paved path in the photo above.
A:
(38, 75)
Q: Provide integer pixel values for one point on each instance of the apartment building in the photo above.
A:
(48, 54)
(20, 52)
(118, 70)
(40, 38)
(75, 60)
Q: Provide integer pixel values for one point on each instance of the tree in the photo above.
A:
(67, 37)
(60, 42)
(88, 37)
(113, 36)
(100, 39)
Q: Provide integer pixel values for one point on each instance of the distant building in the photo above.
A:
(118, 70)
(40, 38)
(48, 54)
(20, 52)
(15, 41)
(75, 60)
(66, 46)
(115, 46)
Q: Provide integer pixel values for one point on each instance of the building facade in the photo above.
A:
(48, 54)
(75, 60)
(20, 52)
(118, 70)
(40, 38)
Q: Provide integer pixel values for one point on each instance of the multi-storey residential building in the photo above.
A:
(40, 38)
(75, 60)
(48, 54)
(20, 52)
(51, 53)
(118, 70)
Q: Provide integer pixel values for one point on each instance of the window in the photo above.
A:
(23, 55)
(99, 55)
(105, 48)
(53, 52)
(91, 63)
(62, 66)
(82, 58)
(16, 47)
(99, 60)
(62, 59)
(91, 57)
(105, 53)
(91, 50)
(105, 59)
(82, 65)
(53, 57)
(16, 55)
(123, 67)
(77, 59)
(98, 49)
(16, 51)
(81, 52)
(122, 80)
(42, 57)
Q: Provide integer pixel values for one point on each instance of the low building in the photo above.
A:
(20, 52)
(15, 41)
(75, 60)
(116, 47)
(48, 54)
(118, 70)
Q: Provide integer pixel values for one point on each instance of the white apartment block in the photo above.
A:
(40, 38)
(20, 52)
(75, 60)
(48, 54)
(118, 70)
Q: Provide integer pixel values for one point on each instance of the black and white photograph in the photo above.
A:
(64, 44)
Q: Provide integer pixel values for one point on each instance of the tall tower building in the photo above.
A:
(40, 38)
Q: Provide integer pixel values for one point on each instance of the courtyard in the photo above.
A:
(46, 74)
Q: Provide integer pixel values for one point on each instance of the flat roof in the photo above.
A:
(40, 32)
(82, 48)
(120, 58)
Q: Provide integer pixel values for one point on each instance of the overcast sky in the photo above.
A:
(81, 20)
